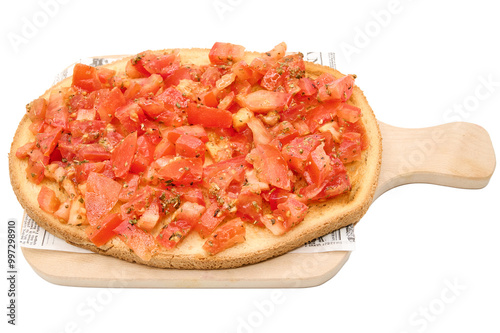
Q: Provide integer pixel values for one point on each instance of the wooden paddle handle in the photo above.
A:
(456, 154)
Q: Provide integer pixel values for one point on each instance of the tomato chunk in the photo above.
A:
(270, 166)
(48, 200)
(182, 171)
(227, 235)
(211, 218)
(122, 155)
(101, 196)
(174, 233)
(141, 242)
(208, 116)
(85, 77)
(224, 53)
(102, 232)
(264, 101)
(190, 146)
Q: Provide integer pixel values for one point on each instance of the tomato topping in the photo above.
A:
(122, 155)
(208, 116)
(190, 146)
(227, 235)
(101, 196)
(182, 171)
(102, 232)
(48, 200)
(85, 77)
(174, 233)
(224, 53)
(141, 242)
(264, 101)
(270, 166)
(152, 152)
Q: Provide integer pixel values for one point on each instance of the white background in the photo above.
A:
(415, 65)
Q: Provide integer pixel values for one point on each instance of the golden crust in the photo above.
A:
(322, 218)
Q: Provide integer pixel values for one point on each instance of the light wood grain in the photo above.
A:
(458, 154)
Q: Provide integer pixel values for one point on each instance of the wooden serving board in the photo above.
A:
(458, 154)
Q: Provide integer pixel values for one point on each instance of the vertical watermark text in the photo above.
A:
(11, 272)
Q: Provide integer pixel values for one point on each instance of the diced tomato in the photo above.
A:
(227, 235)
(165, 147)
(122, 155)
(287, 215)
(307, 86)
(249, 205)
(155, 64)
(191, 194)
(131, 117)
(190, 146)
(322, 114)
(190, 212)
(245, 73)
(350, 147)
(336, 183)
(262, 64)
(339, 184)
(225, 81)
(349, 113)
(82, 170)
(224, 53)
(47, 141)
(144, 154)
(211, 218)
(62, 213)
(47, 200)
(153, 108)
(284, 132)
(278, 52)
(226, 102)
(36, 166)
(107, 106)
(223, 173)
(101, 196)
(210, 76)
(88, 130)
(296, 153)
(149, 85)
(105, 74)
(85, 77)
(150, 217)
(318, 168)
(277, 196)
(182, 171)
(196, 130)
(36, 109)
(264, 101)
(102, 231)
(272, 79)
(270, 166)
(93, 152)
(260, 133)
(293, 212)
(141, 242)
(57, 114)
(130, 185)
(208, 116)
(174, 233)
(339, 89)
(138, 202)
(23, 151)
